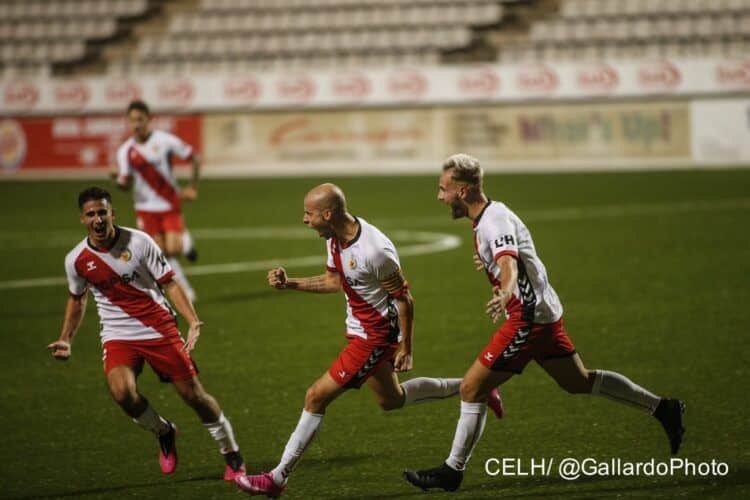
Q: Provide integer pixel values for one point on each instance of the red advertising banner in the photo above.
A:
(80, 142)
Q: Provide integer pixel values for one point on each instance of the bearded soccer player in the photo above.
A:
(145, 164)
(533, 328)
(127, 274)
(362, 262)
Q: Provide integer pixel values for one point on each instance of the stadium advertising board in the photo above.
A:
(721, 131)
(78, 142)
(416, 139)
(379, 87)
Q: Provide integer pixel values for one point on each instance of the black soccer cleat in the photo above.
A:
(192, 255)
(440, 477)
(669, 412)
(235, 465)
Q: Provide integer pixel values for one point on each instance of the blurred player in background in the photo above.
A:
(362, 262)
(126, 273)
(144, 162)
(533, 328)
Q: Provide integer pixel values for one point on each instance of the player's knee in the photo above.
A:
(388, 404)
(314, 400)
(124, 396)
(469, 391)
(581, 384)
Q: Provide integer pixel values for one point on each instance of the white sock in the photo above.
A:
(152, 421)
(424, 389)
(179, 276)
(222, 432)
(619, 388)
(187, 242)
(468, 431)
(301, 437)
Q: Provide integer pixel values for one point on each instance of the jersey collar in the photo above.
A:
(351, 242)
(476, 221)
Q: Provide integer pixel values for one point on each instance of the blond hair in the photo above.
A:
(465, 168)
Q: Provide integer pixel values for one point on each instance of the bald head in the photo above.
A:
(327, 197)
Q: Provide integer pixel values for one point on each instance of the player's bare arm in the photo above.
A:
(185, 308)
(325, 283)
(397, 287)
(502, 294)
(74, 312)
(190, 192)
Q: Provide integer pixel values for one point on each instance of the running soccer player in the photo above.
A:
(362, 262)
(126, 273)
(533, 328)
(145, 164)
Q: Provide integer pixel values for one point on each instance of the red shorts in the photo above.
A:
(165, 356)
(154, 223)
(359, 360)
(517, 342)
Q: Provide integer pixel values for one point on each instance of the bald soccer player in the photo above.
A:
(363, 263)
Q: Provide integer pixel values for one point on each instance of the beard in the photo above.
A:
(458, 210)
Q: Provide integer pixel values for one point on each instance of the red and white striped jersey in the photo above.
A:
(498, 231)
(371, 313)
(125, 283)
(149, 164)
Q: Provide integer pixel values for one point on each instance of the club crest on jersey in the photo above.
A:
(90, 265)
(125, 256)
(352, 263)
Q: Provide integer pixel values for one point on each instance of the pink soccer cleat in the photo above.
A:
(495, 402)
(260, 484)
(168, 450)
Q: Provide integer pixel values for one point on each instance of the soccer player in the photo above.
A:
(533, 328)
(362, 262)
(127, 273)
(145, 164)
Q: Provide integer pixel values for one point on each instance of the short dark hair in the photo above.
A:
(93, 193)
(139, 106)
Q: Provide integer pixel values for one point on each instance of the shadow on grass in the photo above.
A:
(115, 489)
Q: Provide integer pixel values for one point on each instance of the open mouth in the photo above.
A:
(100, 229)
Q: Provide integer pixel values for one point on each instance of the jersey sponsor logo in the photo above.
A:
(506, 239)
(353, 281)
(112, 281)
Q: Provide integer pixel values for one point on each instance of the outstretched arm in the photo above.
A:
(185, 308)
(74, 312)
(190, 192)
(329, 282)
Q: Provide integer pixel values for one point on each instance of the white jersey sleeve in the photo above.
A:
(501, 233)
(384, 264)
(178, 146)
(153, 259)
(76, 283)
(124, 170)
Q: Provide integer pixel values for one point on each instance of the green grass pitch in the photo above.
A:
(652, 269)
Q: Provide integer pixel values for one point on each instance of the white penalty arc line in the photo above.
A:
(427, 242)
